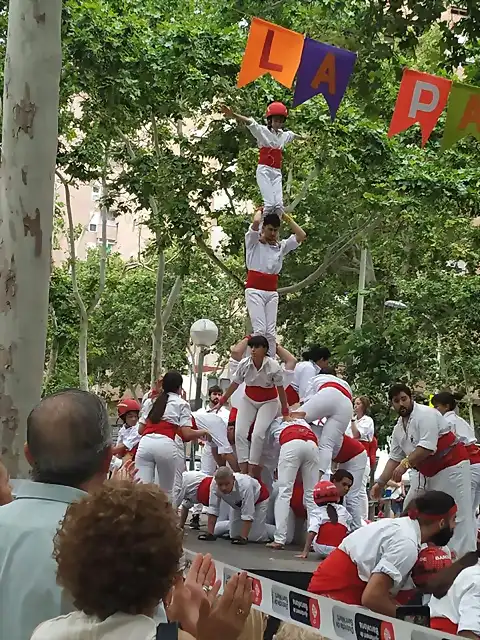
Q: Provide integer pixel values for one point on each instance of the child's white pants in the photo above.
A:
(156, 461)
(262, 307)
(269, 180)
(263, 414)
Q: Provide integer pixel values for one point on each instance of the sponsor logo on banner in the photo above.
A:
(343, 623)
(367, 628)
(314, 610)
(280, 600)
(227, 574)
(257, 592)
(299, 607)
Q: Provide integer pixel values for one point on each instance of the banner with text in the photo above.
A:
(463, 114)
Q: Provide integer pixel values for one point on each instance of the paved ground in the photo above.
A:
(252, 556)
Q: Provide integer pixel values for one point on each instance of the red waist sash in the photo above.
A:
(203, 491)
(444, 624)
(297, 432)
(162, 428)
(337, 578)
(473, 452)
(449, 453)
(261, 394)
(338, 387)
(270, 157)
(264, 493)
(349, 449)
(296, 502)
(331, 534)
(261, 281)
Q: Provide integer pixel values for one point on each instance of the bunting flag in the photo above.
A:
(270, 49)
(323, 69)
(463, 114)
(422, 98)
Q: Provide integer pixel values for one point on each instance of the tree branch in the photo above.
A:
(172, 298)
(102, 267)
(303, 191)
(211, 254)
(345, 242)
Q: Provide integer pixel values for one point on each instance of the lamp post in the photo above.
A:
(204, 334)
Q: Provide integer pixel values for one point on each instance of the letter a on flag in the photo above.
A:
(323, 69)
(270, 49)
(463, 114)
(422, 98)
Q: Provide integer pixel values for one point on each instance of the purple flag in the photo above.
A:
(323, 69)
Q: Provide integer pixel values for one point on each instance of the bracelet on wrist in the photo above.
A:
(406, 463)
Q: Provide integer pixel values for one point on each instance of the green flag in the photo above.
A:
(463, 114)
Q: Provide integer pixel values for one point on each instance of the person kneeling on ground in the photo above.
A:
(248, 501)
(118, 553)
(378, 558)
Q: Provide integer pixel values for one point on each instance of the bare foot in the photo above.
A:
(275, 545)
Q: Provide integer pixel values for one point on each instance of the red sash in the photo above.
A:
(232, 416)
(473, 451)
(292, 396)
(444, 624)
(162, 428)
(261, 281)
(449, 453)
(331, 534)
(203, 491)
(261, 394)
(338, 387)
(296, 501)
(264, 493)
(337, 578)
(349, 449)
(270, 157)
(297, 432)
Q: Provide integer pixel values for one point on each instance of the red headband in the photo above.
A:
(413, 514)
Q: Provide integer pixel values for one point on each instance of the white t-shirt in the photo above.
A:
(216, 427)
(269, 375)
(128, 436)
(424, 427)
(266, 137)
(385, 546)
(323, 378)
(319, 516)
(461, 605)
(190, 482)
(264, 257)
(120, 626)
(243, 496)
(464, 431)
(366, 427)
(304, 372)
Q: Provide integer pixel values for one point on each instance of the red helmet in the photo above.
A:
(127, 404)
(430, 560)
(324, 492)
(276, 109)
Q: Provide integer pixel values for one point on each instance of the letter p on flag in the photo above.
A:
(270, 49)
(422, 98)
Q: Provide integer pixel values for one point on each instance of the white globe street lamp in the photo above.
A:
(204, 334)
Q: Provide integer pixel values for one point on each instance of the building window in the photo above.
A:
(92, 227)
(96, 191)
(458, 11)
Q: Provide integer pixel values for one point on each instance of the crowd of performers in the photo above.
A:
(287, 451)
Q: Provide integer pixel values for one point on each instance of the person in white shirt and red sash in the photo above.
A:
(352, 457)
(195, 490)
(362, 428)
(298, 454)
(329, 524)
(169, 416)
(374, 561)
(445, 403)
(423, 440)
(329, 398)
(264, 255)
(458, 612)
(248, 501)
(313, 362)
(263, 378)
(271, 140)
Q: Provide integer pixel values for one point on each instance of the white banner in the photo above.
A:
(332, 619)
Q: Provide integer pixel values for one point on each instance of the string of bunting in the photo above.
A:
(324, 69)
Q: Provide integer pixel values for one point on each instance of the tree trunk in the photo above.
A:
(29, 146)
(54, 349)
(157, 345)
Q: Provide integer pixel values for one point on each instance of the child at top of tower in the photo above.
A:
(271, 140)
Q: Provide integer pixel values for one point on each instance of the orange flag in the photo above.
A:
(271, 49)
(422, 98)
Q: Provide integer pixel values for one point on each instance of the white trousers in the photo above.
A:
(295, 456)
(262, 307)
(354, 500)
(269, 182)
(180, 468)
(323, 550)
(260, 531)
(208, 466)
(456, 482)
(337, 408)
(364, 497)
(475, 474)
(263, 414)
(156, 461)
